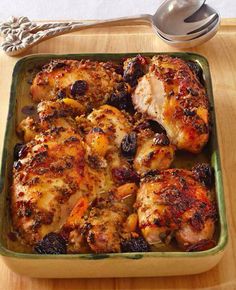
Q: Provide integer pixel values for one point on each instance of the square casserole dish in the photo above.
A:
(117, 264)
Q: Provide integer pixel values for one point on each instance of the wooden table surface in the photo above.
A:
(221, 54)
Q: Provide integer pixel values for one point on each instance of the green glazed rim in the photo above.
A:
(215, 161)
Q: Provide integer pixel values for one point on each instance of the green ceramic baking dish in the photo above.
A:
(103, 265)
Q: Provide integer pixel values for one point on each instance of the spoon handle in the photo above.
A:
(21, 34)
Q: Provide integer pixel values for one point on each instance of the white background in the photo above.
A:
(93, 9)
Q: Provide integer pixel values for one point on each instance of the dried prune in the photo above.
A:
(121, 100)
(97, 130)
(17, 165)
(17, 149)
(124, 175)
(52, 243)
(119, 69)
(190, 113)
(79, 88)
(161, 139)
(203, 172)
(61, 94)
(156, 127)
(195, 67)
(135, 245)
(129, 145)
(135, 70)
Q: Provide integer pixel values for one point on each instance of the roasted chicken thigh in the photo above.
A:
(48, 179)
(171, 94)
(96, 227)
(90, 82)
(174, 204)
(154, 152)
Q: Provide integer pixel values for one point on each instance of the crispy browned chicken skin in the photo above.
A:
(48, 179)
(154, 152)
(171, 94)
(173, 203)
(96, 227)
(58, 167)
(90, 82)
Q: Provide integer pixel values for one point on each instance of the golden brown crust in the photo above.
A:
(173, 202)
(59, 166)
(112, 121)
(171, 94)
(154, 152)
(56, 80)
(48, 179)
(97, 226)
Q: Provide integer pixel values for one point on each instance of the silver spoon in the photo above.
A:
(198, 32)
(21, 34)
(203, 13)
(211, 31)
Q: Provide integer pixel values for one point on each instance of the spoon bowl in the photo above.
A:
(211, 31)
(173, 19)
(203, 13)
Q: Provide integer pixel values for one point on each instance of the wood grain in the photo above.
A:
(221, 53)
